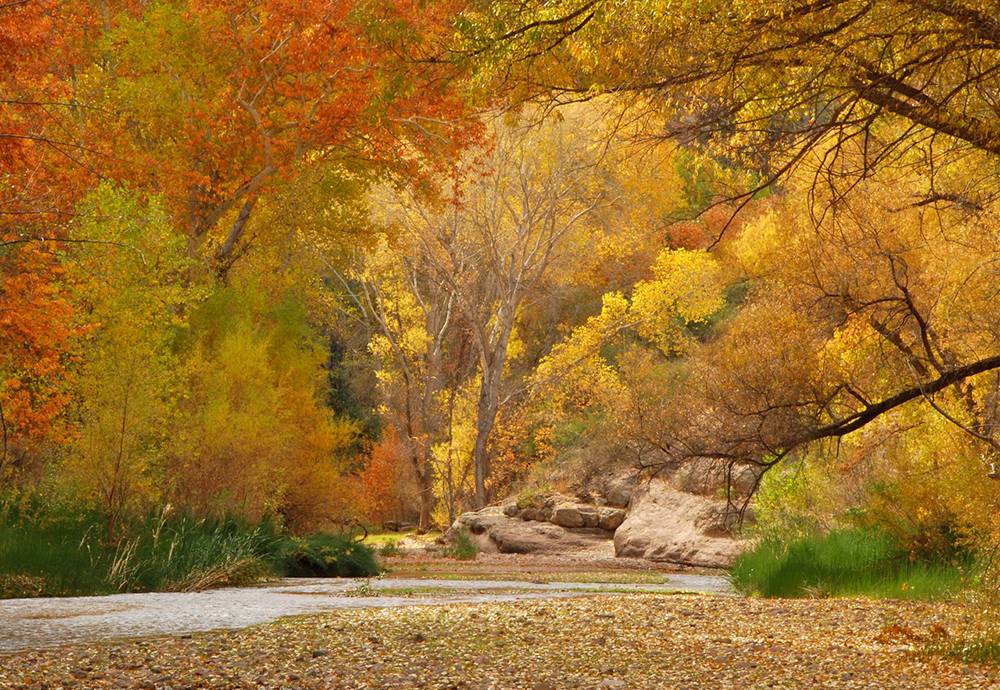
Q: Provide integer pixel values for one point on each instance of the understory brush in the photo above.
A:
(463, 548)
(847, 563)
(46, 552)
(327, 555)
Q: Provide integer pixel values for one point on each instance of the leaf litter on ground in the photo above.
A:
(628, 641)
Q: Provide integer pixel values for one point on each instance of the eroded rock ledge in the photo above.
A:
(665, 524)
(671, 519)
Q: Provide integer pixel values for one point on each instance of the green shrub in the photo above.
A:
(980, 649)
(463, 548)
(327, 555)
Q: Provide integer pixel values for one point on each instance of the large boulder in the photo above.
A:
(568, 515)
(714, 478)
(616, 489)
(610, 518)
(493, 531)
(665, 524)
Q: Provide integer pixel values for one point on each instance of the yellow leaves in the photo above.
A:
(452, 456)
(757, 249)
(584, 344)
(687, 287)
(404, 337)
(127, 272)
(253, 435)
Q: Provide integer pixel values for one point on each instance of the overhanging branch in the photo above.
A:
(875, 410)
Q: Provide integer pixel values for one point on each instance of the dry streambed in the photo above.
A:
(631, 641)
(27, 624)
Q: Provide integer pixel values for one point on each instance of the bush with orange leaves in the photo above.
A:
(384, 489)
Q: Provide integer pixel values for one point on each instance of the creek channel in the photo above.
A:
(27, 624)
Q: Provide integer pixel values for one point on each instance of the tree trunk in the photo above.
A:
(425, 487)
(486, 415)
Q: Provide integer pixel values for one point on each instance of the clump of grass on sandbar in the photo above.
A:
(846, 563)
(46, 551)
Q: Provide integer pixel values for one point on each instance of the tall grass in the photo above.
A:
(184, 554)
(846, 563)
(50, 558)
(46, 553)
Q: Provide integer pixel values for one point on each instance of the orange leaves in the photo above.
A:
(25, 28)
(380, 487)
(35, 330)
(226, 95)
(34, 314)
(35, 54)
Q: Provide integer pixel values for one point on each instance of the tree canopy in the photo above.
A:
(869, 120)
(272, 257)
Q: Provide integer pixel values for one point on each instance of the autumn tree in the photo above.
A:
(36, 311)
(36, 318)
(251, 435)
(817, 98)
(39, 147)
(126, 373)
(770, 78)
(215, 101)
(412, 326)
(533, 230)
(493, 244)
(876, 307)
(602, 365)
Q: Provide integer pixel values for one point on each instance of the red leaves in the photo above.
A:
(381, 485)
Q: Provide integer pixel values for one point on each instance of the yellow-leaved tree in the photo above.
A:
(414, 342)
(252, 435)
(128, 276)
(595, 368)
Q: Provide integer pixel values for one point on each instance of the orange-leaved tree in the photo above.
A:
(214, 100)
(35, 312)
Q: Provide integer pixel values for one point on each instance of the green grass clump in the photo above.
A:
(976, 650)
(50, 558)
(188, 554)
(389, 548)
(380, 538)
(845, 563)
(67, 554)
(45, 551)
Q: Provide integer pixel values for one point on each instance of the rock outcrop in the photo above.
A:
(665, 524)
(672, 519)
(493, 531)
(566, 512)
(708, 477)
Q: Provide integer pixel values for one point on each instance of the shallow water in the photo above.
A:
(39, 623)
